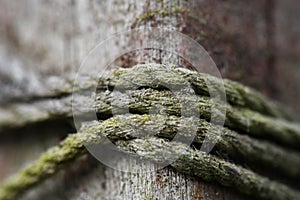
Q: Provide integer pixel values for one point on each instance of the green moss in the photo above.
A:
(239, 119)
(147, 16)
(47, 165)
(209, 168)
(236, 93)
(23, 114)
(121, 129)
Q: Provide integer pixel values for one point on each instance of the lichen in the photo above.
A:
(209, 168)
(140, 100)
(150, 14)
(239, 119)
(17, 114)
(236, 93)
(121, 130)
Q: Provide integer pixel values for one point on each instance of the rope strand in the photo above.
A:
(207, 167)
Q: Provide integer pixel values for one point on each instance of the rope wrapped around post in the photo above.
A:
(250, 117)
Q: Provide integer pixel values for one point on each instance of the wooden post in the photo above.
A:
(53, 37)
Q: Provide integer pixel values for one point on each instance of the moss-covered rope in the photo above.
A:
(47, 165)
(241, 148)
(209, 168)
(18, 115)
(236, 93)
(141, 101)
(158, 76)
(190, 161)
(239, 119)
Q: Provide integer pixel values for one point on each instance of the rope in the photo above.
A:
(239, 119)
(194, 162)
(157, 77)
(41, 108)
(140, 101)
(248, 116)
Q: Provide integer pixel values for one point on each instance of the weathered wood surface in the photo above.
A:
(38, 42)
(69, 33)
